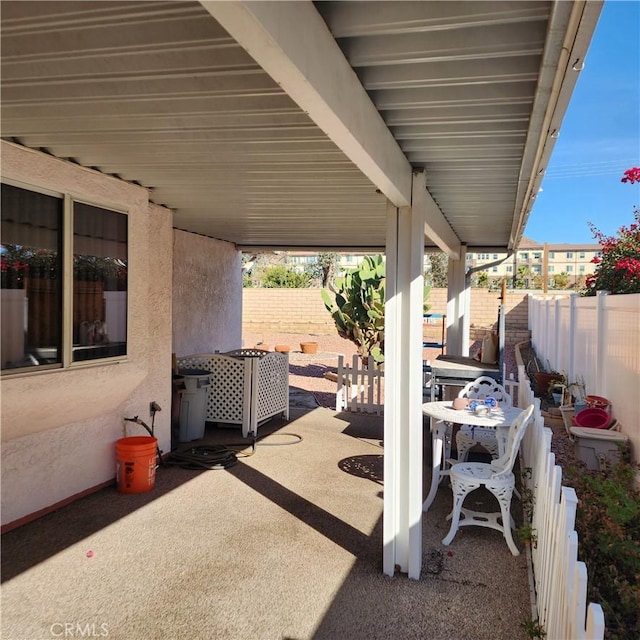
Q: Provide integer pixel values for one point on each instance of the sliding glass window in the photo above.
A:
(52, 316)
(99, 283)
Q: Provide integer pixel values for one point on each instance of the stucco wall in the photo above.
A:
(59, 428)
(207, 295)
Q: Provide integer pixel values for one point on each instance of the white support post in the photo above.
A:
(465, 300)
(456, 307)
(392, 545)
(402, 521)
(571, 374)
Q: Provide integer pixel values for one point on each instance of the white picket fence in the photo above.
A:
(560, 579)
(360, 387)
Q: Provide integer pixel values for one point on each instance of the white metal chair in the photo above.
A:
(498, 478)
(468, 436)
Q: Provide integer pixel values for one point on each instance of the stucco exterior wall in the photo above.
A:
(207, 295)
(59, 427)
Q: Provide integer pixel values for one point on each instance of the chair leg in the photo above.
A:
(459, 494)
(463, 451)
(505, 509)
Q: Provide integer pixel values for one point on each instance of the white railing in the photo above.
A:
(560, 579)
(595, 339)
(360, 387)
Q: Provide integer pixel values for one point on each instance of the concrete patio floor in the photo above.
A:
(286, 544)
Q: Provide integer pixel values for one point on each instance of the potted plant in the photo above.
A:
(543, 381)
(282, 348)
(309, 347)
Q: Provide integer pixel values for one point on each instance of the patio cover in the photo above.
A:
(323, 125)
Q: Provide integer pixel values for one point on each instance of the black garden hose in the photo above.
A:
(220, 456)
(203, 457)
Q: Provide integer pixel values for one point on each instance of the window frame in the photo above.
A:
(67, 363)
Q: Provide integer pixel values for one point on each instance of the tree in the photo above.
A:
(327, 263)
(537, 281)
(437, 274)
(522, 277)
(481, 279)
(618, 268)
(280, 277)
(254, 265)
(560, 280)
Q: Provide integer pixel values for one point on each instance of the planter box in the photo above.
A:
(597, 446)
(543, 380)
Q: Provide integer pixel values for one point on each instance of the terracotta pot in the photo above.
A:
(282, 348)
(309, 347)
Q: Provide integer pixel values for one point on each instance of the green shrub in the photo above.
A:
(280, 277)
(608, 527)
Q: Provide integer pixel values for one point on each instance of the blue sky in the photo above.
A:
(599, 138)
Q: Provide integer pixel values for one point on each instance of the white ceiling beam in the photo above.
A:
(436, 228)
(292, 43)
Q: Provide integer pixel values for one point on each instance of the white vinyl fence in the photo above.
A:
(560, 580)
(596, 339)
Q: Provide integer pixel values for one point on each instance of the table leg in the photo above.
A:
(438, 434)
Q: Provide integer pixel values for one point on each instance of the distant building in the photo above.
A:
(527, 263)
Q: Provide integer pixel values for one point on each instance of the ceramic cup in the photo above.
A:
(460, 403)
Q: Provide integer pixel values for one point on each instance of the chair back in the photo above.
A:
(504, 465)
(484, 387)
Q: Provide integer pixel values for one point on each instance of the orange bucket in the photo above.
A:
(136, 458)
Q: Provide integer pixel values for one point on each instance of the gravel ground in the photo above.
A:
(307, 372)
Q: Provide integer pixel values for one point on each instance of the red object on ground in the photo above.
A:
(594, 418)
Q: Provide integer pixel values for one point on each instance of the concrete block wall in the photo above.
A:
(302, 311)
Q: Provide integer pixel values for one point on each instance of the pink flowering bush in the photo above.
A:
(618, 268)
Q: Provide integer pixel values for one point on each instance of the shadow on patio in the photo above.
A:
(285, 544)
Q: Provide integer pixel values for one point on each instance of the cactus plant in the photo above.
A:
(358, 307)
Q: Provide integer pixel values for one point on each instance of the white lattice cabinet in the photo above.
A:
(248, 386)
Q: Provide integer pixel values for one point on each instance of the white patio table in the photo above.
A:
(444, 416)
